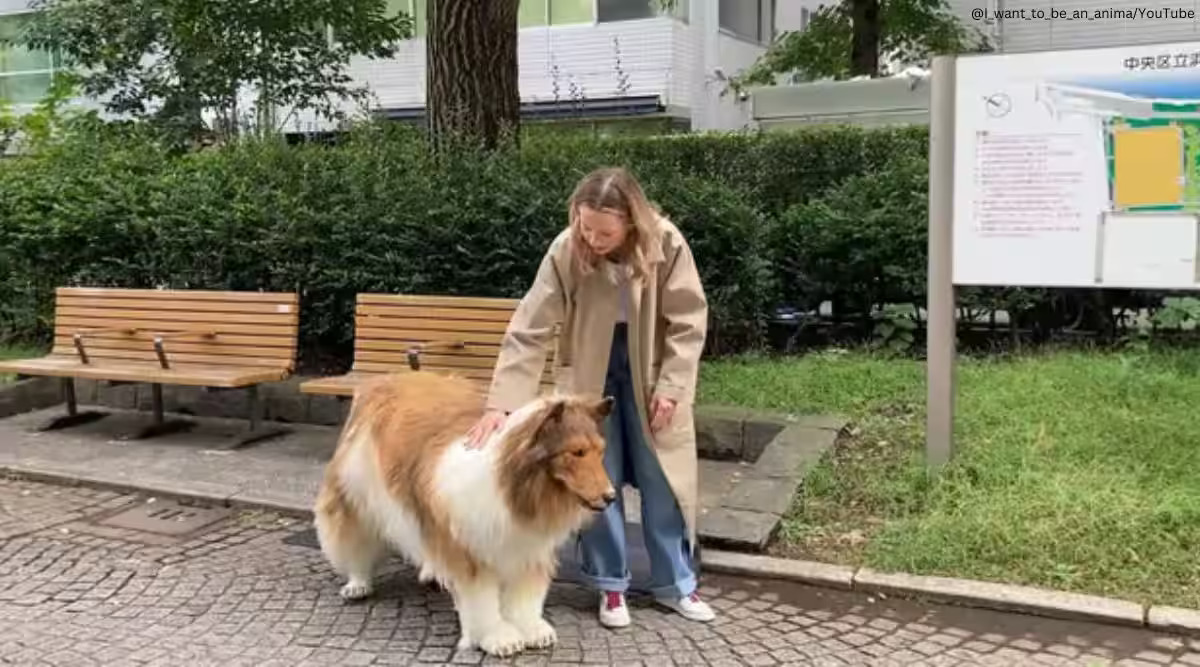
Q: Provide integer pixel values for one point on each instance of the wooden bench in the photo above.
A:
(212, 339)
(399, 333)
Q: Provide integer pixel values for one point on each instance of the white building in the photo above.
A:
(578, 58)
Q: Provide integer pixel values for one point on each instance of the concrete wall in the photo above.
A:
(868, 102)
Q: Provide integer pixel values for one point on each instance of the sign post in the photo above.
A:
(1076, 168)
(940, 329)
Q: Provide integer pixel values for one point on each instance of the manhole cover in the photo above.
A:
(166, 517)
(304, 538)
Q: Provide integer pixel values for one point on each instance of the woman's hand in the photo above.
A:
(488, 424)
(661, 412)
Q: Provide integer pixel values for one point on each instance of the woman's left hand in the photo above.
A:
(661, 411)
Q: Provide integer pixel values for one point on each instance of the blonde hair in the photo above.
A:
(615, 190)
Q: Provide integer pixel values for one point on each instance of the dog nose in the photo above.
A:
(609, 496)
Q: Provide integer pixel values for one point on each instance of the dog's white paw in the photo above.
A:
(539, 634)
(503, 641)
(356, 590)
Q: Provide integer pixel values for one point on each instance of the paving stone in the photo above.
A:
(245, 592)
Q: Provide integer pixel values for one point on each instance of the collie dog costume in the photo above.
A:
(485, 524)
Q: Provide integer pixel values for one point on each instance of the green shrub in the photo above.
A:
(862, 243)
(788, 218)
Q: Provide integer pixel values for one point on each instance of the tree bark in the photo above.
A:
(472, 92)
(864, 49)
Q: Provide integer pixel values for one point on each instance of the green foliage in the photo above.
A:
(895, 328)
(910, 32)
(861, 243)
(789, 219)
(172, 60)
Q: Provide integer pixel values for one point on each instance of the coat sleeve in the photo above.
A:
(527, 339)
(684, 306)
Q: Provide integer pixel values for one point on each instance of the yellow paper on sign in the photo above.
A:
(1148, 169)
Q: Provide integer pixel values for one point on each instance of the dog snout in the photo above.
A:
(609, 496)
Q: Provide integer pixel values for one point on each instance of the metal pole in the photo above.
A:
(940, 343)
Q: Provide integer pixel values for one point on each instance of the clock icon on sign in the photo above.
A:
(998, 105)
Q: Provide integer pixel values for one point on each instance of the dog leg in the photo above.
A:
(352, 551)
(478, 604)
(523, 603)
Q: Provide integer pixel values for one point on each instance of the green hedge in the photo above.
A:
(790, 218)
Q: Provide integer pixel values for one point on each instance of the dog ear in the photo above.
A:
(603, 408)
(538, 451)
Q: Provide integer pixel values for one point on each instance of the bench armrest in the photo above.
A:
(414, 351)
(159, 337)
(80, 334)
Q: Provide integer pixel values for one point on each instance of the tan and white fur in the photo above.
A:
(484, 523)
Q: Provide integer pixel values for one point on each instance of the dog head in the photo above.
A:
(568, 444)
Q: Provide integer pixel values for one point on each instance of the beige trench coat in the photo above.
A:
(668, 322)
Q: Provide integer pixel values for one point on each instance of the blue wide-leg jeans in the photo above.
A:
(629, 459)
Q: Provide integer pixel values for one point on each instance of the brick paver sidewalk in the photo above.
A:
(251, 590)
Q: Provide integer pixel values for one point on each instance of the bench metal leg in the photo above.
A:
(73, 417)
(257, 432)
(161, 425)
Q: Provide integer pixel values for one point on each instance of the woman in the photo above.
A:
(622, 283)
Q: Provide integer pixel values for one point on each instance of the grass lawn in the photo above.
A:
(16, 352)
(1075, 470)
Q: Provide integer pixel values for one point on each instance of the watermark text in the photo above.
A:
(991, 16)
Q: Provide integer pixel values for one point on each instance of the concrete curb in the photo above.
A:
(963, 592)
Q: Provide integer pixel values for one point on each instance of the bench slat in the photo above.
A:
(417, 336)
(423, 323)
(117, 302)
(439, 301)
(100, 355)
(191, 345)
(275, 319)
(185, 374)
(180, 294)
(69, 325)
(435, 313)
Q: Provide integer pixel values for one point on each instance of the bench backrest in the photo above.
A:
(252, 329)
(388, 325)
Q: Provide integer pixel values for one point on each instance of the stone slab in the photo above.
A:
(794, 451)
(766, 567)
(1174, 619)
(29, 394)
(730, 528)
(770, 495)
(719, 432)
(1003, 597)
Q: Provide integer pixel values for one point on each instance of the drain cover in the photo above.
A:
(305, 538)
(166, 517)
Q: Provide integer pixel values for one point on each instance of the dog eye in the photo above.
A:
(580, 453)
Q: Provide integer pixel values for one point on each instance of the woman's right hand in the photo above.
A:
(488, 424)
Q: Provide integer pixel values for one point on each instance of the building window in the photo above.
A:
(566, 12)
(752, 20)
(25, 74)
(554, 12)
(415, 10)
(624, 10)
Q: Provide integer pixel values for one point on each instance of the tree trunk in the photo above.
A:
(864, 48)
(472, 92)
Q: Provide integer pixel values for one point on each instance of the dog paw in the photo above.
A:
(355, 590)
(539, 634)
(503, 641)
